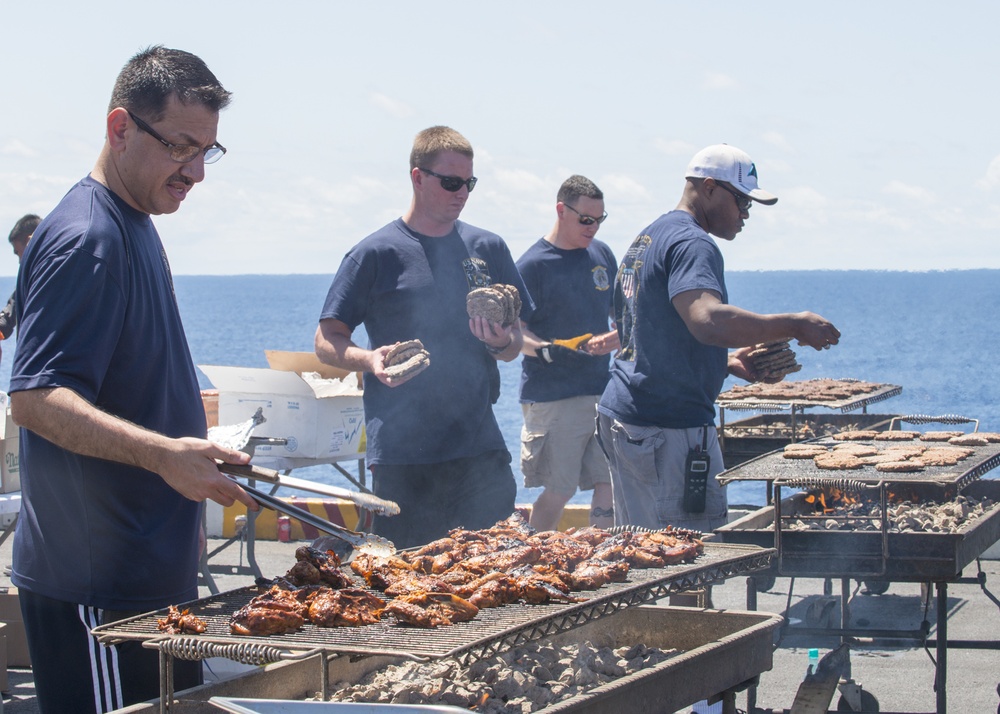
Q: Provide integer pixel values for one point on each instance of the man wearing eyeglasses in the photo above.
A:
(568, 274)
(433, 443)
(656, 418)
(114, 460)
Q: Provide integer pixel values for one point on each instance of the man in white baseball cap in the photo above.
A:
(732, 166)
(656, 418)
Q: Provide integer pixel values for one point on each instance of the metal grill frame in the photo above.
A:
(896, 556)
(718, 562)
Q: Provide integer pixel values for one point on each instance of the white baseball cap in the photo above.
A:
(727, 163)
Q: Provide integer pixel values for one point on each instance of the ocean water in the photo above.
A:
(933, 333)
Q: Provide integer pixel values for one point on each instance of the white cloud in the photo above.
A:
(675, 147)
(16, 147)
(624, 189)
(777, 140)
(908, 191)
(992, 177)
(391, 106)
(717, 80)
(522, 182)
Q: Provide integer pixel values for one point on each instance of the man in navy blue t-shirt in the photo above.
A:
(568, 274)
(657, 415)
(114, 460)
(433, 443)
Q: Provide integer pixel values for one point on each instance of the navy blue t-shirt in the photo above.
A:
(572, 293)
(97, 314)
(663, 376)
(402, 286)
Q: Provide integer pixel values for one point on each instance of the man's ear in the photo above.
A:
(118, 121)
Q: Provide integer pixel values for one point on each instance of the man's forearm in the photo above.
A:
(336, 349)
(69, 421)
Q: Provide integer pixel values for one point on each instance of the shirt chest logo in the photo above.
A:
(601, 280)
(477, 273)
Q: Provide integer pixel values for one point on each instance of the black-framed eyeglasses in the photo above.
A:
(585, 219)
(742, 202)
(181, 153)
(452, 183)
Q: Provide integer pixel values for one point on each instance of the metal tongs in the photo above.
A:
(362, 500)
(360, 542)
(237, 436)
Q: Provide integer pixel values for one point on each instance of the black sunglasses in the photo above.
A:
(742, 202)
(452, 183)
(585, 219)
(182, 153)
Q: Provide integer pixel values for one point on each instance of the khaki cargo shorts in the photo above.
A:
(559, 448)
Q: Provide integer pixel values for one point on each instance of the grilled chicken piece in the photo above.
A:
(265, 619)
(380, 571)
(562, 550)
(313, 567)
(613, 548)
(410, 614)
(504, 560)
(432, 609)
(495, 591)
(543, 584)
(180, 622)
(436, 547)
(347, 607)
(590, 535)
(415, 583)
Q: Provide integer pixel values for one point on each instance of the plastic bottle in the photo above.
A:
(813, 661)
(284, 529)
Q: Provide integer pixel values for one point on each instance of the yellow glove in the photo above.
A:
(573, 343)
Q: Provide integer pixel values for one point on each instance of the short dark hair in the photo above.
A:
(151, 77)
(435, 140)
(24, 227)
(577, 186)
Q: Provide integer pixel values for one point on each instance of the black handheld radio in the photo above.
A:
(696, 476)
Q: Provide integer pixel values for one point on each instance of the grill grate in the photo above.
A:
(884, 391)
(774, 466)
(492, 631)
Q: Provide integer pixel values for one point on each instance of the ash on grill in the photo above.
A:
(835, 510)
(521, 680)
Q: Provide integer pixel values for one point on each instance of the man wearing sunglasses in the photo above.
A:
(114, 460)
(568, 273)
(657, 416)
(19, 236)
(433, 444)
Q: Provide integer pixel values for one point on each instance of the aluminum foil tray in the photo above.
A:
(493, 629)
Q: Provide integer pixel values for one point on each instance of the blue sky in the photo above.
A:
(875, 123)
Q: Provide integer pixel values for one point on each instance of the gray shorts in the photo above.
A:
(647, 475)
(559, 448)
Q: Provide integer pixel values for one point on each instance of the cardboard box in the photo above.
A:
(317, 408)
(17, 641)
(10, 440)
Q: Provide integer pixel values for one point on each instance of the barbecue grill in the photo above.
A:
(493, 630)
(747, 438)
(881, 553)
(719, 652)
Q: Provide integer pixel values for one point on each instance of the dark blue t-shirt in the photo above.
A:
(402, 286)
(663, 376)
(97, 315)
(572, 293)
